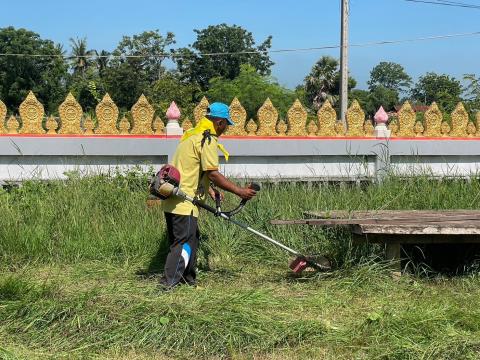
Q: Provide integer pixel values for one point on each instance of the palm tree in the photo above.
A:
(322, 82)
(81, 57)
(102, 61)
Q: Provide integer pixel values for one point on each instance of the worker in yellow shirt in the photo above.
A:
(196, 158)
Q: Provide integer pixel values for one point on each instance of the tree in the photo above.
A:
(135, 65)
(472, 92)
(234, 47)
(443, 89)
(45, 74)
(390, 75)
(81, 57)
(323, 82)
(252, 89)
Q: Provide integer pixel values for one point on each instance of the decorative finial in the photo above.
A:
(173, 112)
(381, 117)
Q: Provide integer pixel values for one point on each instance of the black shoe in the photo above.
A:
(165, 286)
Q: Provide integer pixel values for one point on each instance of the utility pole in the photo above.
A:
(344, 63)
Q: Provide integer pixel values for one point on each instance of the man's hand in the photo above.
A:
(246, 193)
(211, 192)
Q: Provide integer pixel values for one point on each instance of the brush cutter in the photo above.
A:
(167, 183)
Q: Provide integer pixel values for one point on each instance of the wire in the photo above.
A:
(447, 3)
(173, 55)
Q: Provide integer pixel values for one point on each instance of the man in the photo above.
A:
(196, 158)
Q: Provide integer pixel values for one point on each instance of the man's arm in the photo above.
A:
(223, 183)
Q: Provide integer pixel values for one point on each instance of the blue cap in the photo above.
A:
(220, 110)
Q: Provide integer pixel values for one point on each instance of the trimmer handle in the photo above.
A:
(253, 186)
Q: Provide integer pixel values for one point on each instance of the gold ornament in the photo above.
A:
(477, 117)
(406, 121)
(340, 128)
(187, 124)
(368, 128)
(297, 119)
(433, 121)
(312, 128)
(71, 115)
(267, 119)
(445, 129)
(282, 128)
(51, 124)
(200, 110)
(158, 126)
(3, 114)
(393, 127)
(124, 126)
(12, 125)
(327, 119)
(355, 120)
(251, 127)
(418, 129)
(471, 130)
(107, 115)
(142, 114)
(31, 112)
(239, 117)
(459, 121)
(89, 126)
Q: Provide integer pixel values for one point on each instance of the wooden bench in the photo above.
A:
(397, 227)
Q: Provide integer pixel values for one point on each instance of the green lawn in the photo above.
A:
(70, 286)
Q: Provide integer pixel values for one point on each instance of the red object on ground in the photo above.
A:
(298, 265)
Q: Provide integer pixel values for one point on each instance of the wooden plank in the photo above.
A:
(453, 220)
(416, 239)
(342, 214)
(430, 229)
(392, 254)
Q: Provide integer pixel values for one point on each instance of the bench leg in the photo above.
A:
(392, 254)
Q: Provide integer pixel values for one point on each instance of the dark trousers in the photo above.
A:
(183, 236)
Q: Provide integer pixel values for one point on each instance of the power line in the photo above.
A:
(447, 3)
(325, 47)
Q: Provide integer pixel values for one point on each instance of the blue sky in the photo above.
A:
(293, 24)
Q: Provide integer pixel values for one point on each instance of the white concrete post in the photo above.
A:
(173, 114)
(381, 118)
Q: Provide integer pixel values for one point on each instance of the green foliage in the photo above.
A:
(444, 90)
(44, 75)
(252, 89)
(222, 39)
(170, 88)
(80, 59)
(323, 83)
(389, 75)
(136, 66)
(472, 91)
(370, 101)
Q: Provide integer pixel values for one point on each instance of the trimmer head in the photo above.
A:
(301, 262)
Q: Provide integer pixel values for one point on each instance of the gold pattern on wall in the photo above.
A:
(267, 119)
(12, 125)
(340, 128)
(471, 129)
(297, 119)
(355, 120)
(406, 120)
(158, 126)
(327, 118)
(312, 128)
(251, 127)
(31, 112)
(124, 126)
(201, 109)
(187, 124)
(433, 121)
(477, 117)
(459, 121)
(239, 117)
(107, 115)
(71, 115)
(393, 127)
(282, 128)
(52, 125)
(89, 126)
(445, 129)
(142, 114)
(418, 129)
(368, 128)
(3, 114)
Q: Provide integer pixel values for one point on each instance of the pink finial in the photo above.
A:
(173, 113)
(381, 117)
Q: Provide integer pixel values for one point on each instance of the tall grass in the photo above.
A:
(69, 253)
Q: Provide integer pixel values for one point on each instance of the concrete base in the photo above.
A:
(173, 128)
(381, 131)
